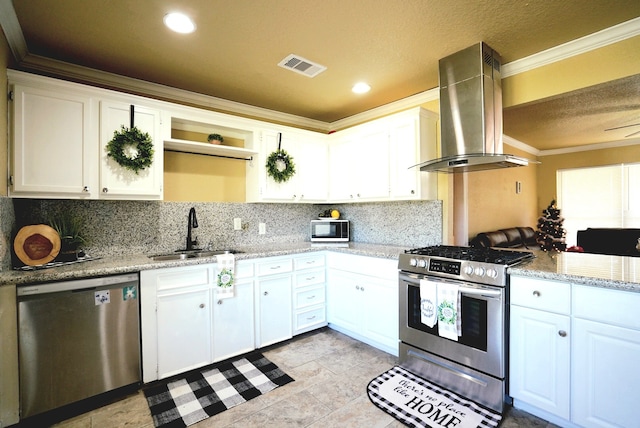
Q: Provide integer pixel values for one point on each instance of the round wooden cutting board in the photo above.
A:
(36, 244)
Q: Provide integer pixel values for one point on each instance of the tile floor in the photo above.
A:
(331, 372)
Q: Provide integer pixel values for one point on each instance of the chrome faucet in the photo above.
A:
(192, 224)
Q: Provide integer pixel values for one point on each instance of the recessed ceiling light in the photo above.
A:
(179, 22)
(360, 88)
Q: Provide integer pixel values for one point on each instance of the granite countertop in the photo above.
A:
(622, 273)
(137, 262)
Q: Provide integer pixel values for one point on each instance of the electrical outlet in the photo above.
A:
(237, 223)
(262, 228)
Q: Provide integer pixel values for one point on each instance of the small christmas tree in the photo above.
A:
(550, 234)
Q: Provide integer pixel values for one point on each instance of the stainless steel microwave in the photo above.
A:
(330, 230)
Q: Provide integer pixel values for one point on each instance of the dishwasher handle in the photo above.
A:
(79, 284)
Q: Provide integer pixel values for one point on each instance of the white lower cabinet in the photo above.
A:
(573, 353)
(176, 320)
(539, 371)
(273, 300)
(362, 299)
(606, 351)
(309, 294)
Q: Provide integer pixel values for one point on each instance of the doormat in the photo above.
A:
(202, 394)
(419, 403)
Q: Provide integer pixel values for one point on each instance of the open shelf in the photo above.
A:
(219, 150)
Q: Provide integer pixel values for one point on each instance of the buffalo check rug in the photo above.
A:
(417, 402)
(200, 394)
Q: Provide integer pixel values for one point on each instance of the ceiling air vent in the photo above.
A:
(301, 65)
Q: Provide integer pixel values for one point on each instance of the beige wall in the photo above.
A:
(198, 178)
(493, 202)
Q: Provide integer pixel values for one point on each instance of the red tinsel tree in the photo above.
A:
(551, 235)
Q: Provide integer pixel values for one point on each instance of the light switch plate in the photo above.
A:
(262, 228)
(237, 223)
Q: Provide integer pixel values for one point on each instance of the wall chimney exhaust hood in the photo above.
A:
(471, 113)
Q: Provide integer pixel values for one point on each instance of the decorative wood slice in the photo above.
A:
(36, 244)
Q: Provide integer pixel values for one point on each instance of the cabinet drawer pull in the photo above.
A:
(311, 262)
(311, 318)
(201, 305)
(562, 333)
(311, 297)
(310, 278)
(275, 267)
(536, 293)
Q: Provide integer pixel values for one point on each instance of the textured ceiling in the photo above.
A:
(394, 45)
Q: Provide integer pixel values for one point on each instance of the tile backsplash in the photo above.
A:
(150, 227)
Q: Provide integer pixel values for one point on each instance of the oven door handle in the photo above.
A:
(480, 292)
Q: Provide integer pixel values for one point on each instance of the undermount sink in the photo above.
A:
(191, 254)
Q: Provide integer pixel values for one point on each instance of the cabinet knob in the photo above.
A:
(219, 302)
(85, 189)
(201, 305)
(413, 192)
(294, 196)
(357, 287)
(266, 293)
(105, 190)
(536, 293)
(562, 333)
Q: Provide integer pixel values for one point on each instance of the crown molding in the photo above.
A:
(590, 147)
(608, 36)
(520, 145)
(118, 82)
(12, 31)
(384, 110)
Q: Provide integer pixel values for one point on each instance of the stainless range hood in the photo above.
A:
(471, 113)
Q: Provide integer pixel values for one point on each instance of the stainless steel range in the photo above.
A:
(475, 363)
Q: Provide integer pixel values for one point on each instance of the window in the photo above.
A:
(604, 196)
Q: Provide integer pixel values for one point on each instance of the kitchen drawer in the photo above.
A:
(309, 262)
(310, 277)
(615, 307)
(272, 266)
(308, 297)
(180, 277)
(243, 269)
(550, 296)
(310, 318)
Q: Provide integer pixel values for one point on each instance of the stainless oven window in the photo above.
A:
(474, 319)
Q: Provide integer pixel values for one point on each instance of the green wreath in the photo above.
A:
(225, 278)
(447, 313)
(131, 148)
(280, 166)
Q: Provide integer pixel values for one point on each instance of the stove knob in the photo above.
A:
(413, 262)
(422, 263)
(492, 273)
(479, 271)
(468, 270)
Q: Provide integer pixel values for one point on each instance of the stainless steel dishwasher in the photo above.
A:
(77, 339)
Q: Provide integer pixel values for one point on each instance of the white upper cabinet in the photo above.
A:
(117, 182)
(413, 137)
(309, 182)
(359, 164)
(371, 162)
(59, 133)
(51, 155)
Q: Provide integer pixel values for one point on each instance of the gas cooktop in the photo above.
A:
(486, 255)
(481, 265)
